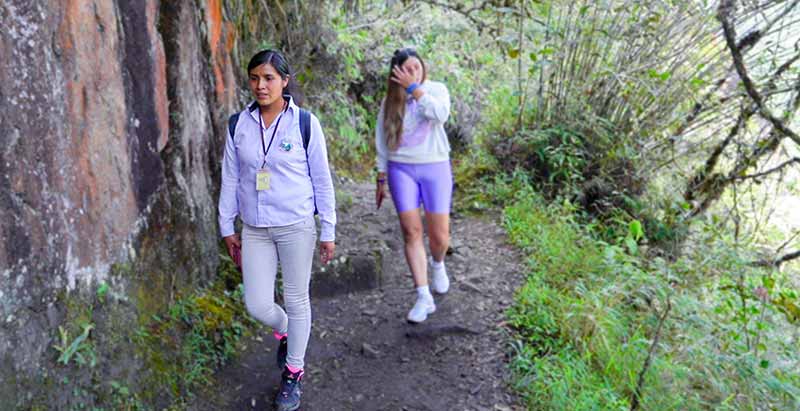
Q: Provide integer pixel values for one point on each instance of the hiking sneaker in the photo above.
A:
(419, 312)
(440, 283)
(283, 349)
(288, 398)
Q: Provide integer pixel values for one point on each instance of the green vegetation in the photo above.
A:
(182, 345)
(194, 336)
(647, 211)
(79, 348)
(591, 311)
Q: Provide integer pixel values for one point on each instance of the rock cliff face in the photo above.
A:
(112, 121)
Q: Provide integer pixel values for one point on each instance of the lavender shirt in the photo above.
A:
(295, 184)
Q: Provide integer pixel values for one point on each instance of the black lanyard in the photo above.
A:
(261, 132)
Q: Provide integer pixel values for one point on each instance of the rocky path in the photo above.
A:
(363, 355)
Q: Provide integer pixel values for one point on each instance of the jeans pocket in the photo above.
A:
(310, 223)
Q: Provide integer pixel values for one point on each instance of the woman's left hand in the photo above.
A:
(402, 77)
(326, 249)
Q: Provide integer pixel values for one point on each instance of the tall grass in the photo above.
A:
(587, 316)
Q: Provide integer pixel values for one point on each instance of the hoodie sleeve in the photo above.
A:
(435, 103)
(380, 143)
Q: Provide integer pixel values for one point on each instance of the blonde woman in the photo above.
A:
(414, 158)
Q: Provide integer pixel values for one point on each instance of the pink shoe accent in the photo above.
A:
(278, 336)
(295, 370)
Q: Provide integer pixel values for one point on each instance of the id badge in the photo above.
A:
(262, 180)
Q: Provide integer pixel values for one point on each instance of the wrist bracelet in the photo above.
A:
(411, 87)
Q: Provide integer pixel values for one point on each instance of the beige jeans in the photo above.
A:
(262, 249)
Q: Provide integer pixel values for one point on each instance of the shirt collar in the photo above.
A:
(253, 106)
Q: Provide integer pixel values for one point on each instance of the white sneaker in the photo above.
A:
(419, 312)
(440, 283)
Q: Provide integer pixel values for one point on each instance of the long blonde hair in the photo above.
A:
(394, 107)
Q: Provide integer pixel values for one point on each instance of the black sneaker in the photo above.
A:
(283, 349)
(288, 398)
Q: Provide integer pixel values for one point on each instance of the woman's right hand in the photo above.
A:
(234, 246)
(380, 193)
(380, 190)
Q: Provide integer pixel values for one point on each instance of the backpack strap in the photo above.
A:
(305, 132)
(305, 128)
(232, 124)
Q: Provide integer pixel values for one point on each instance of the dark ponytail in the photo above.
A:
(276, 59)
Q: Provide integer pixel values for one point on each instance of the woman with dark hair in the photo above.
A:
(275, 181)
(414, 153)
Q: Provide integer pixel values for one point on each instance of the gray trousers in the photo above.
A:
(293, 246)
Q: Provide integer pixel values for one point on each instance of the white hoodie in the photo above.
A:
(424, 139)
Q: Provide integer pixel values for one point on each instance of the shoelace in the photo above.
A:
(289, 385)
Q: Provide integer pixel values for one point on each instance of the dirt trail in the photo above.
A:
(363, 355)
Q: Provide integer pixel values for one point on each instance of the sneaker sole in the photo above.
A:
(437, 291)
(430, 311)
(296, 407)
(441, 292)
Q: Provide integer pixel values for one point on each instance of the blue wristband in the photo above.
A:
(411, 87)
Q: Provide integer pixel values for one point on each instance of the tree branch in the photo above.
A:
(777, 262)
(723, 14)
(745, 44)
(787, 242)
(458, 8)
(770, 171)
(637, 393)
(701, 177)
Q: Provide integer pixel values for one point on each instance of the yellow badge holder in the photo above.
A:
(262, 180)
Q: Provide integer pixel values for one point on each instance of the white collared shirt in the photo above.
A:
(298, 183)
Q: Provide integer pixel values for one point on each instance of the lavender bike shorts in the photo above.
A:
(430, 184)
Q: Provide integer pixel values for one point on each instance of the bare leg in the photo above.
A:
(411, 223)
(438, 234)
